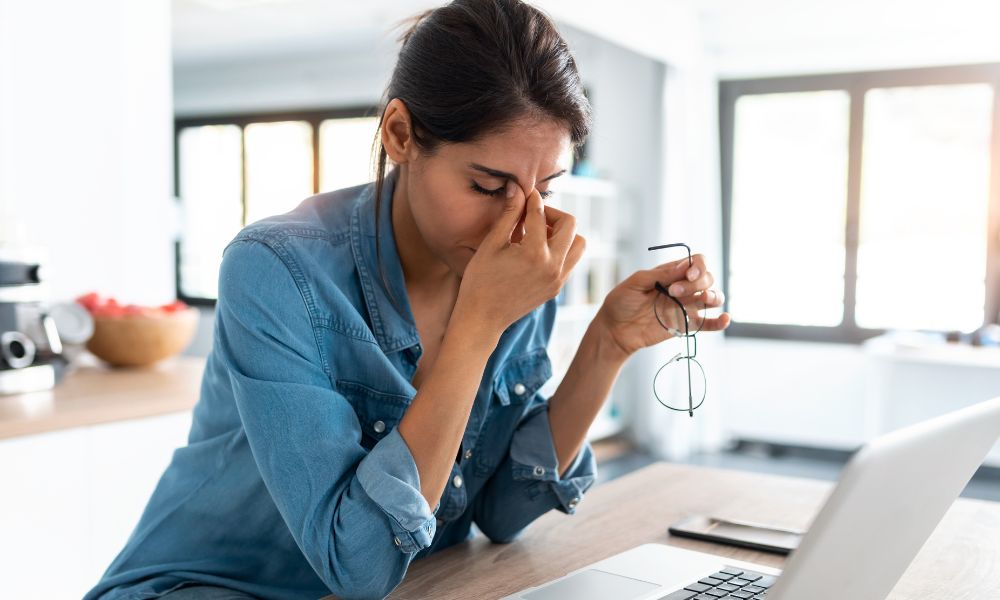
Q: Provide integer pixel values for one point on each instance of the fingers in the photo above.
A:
(563, 230)
(499, 236)
(716, 323)
(707, 298)
(574, 253)
(682, 280)
(696, 278)
(534, 219)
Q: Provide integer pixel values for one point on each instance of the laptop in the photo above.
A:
(890, 497)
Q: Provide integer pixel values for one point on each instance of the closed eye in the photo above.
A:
(500, 190)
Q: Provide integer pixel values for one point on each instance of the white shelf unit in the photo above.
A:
(594, 204)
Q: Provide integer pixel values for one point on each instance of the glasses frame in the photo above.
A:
(689, 339)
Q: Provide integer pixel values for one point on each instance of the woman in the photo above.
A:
(372, 390)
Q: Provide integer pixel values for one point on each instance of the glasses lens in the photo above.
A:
(670, 385)
(672, 316)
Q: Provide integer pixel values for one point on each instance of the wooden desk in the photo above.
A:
(960, 561)
(93, 393)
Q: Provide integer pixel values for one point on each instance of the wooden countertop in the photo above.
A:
(960, 560)
(92, 393)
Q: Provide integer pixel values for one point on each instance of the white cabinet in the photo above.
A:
(912, 382)
(71, 498)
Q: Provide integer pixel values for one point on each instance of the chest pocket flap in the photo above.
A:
(378, 412)
(521, 376)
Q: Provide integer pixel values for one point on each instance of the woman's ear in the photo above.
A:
(397, 138)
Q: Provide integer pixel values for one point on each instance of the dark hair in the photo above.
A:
(470, 68)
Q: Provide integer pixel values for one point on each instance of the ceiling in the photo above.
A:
(221, 30)
(738, 36)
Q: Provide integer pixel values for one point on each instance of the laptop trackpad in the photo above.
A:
(592, 585)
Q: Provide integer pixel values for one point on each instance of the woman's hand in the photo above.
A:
(506, 279)
(627, 316)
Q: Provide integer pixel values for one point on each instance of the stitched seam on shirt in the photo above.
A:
(365, 278)
(277, 245)
(286, 258)
(277, 232)
(362, 334)
(331, 323)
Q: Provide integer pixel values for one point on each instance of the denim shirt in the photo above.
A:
(295, 482)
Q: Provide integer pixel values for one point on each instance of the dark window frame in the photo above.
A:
(313, 117)
(856, 84)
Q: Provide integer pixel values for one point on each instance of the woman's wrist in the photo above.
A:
(604, 344)
(472, 328)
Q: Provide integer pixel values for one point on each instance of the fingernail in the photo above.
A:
(510, 190)
(693, 274)
(676, 290)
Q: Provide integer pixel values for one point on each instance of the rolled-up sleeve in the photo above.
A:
(389, 476)
(358, 516)
(527, 484)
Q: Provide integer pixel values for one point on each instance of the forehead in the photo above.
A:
(522, 146)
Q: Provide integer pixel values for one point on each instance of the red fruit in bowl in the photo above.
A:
(109, 307)
(134, 309)
(111, 310)
(137, 335)
(90, 301)
(174, 306)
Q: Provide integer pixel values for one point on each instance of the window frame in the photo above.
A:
(314, 117)
(856, 84)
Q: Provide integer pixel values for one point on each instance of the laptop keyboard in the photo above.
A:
(727, 583)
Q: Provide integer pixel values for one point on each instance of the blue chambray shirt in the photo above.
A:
(295, 482)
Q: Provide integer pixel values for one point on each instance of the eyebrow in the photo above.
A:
(511, 176)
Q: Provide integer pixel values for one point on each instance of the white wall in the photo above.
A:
(798, 393)
(86, 142)
(332, 77)
(782, 37)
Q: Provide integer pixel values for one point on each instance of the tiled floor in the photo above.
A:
(794, 462)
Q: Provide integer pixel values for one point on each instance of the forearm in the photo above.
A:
(435, 422)
(582, 392)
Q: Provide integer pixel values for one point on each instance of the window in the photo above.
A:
(869, 195)
(791, 165)
(232, 171)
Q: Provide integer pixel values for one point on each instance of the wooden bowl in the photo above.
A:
(141, 340)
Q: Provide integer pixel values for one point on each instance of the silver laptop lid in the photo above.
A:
(889, 499)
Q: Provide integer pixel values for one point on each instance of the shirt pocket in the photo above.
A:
(378, 412)
(521, 376)
(514, 384)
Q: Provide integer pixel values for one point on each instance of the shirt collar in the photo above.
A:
(395, 329)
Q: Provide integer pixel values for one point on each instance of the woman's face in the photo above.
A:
(457, 194)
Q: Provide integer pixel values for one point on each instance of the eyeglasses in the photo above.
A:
(675, 318)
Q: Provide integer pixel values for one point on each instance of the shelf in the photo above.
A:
(942, 353)
(574, 185)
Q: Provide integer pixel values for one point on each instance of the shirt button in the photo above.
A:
(396, 541)
(539, 471)
(468, 454)
(379, 426)
(457, 481)
(519, 389)
(574, 502)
